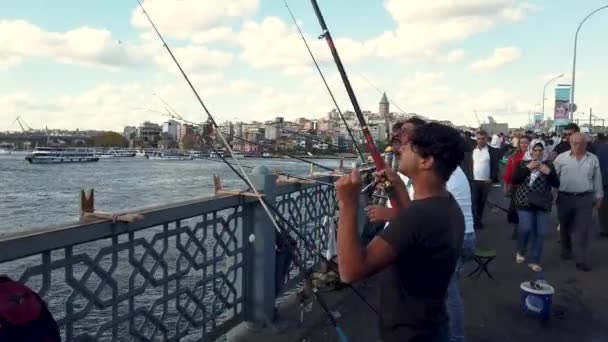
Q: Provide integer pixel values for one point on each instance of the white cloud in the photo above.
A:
(179, 19)
(7, 62)
(500, 57)
(222, 33)
(424, 28)
(273, 43)
(193, 58)
(84, 45)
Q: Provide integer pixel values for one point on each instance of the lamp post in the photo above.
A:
(545, 88)
(574, 58)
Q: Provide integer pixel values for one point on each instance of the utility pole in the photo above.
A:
(590, 119)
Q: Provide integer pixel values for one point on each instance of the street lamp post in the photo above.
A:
(545, 88)
(574, 58)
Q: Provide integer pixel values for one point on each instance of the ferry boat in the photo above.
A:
(168, 155)
(52, 155)
(117, 153)
(220, 154)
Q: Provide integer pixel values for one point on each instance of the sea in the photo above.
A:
(34, 196)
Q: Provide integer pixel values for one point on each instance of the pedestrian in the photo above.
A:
(535, 177)
(485, 171)
(509, 187)
(417, 253)
(602, 156)
(580, 190)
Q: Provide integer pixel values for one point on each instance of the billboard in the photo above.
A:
(561, 114)
(538, 118)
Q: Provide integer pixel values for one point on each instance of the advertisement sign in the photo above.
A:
(562, 105)
(538, 118)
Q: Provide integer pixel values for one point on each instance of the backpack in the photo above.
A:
(24, 317)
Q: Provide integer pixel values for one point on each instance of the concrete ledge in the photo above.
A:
(287, 327)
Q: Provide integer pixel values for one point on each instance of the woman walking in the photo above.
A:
(512, 163)
(533, 199)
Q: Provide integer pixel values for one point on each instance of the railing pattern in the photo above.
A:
(179, 274)
(309, 209)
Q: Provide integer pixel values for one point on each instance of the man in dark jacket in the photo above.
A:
(485, 172)
(601, 151)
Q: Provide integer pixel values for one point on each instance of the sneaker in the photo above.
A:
(535, 267)
(519, 258)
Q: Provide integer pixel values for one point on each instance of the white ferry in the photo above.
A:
(52, 155)
(117, 153)
(169, 155)
(220, 154)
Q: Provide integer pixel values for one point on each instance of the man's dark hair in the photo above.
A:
(601, 137)
(572, 126)
(443, 143)
(482, 133)
(416, 121)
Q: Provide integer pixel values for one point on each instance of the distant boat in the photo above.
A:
(117, 153)
(220, 154)
(52, 155)
(169, 156)
(4, 152)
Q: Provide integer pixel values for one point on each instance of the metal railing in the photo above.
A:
(188, 271)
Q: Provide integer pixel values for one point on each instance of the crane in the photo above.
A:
(22, 123)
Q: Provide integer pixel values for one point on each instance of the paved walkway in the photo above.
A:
(493, 313)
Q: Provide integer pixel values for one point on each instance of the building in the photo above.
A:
(384, 107)
(183, 130)
(170, 128)
(272, 129)
(149, 132)
(129, 132)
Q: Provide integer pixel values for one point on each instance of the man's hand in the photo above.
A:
(379, 213)
(388, 174)
(597, 203)
(348, 187)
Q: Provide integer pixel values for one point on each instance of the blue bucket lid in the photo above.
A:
(541, 288)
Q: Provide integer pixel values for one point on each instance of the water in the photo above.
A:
(34, 196)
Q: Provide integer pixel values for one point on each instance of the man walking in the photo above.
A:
(601, 151)
(580, 191)
(485, 171)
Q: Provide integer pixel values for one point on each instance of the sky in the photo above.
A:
(98, 65)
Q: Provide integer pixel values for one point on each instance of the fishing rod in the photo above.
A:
(243, 175)
(331, 94)
(371, 146)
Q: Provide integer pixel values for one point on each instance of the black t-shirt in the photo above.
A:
(427, 237)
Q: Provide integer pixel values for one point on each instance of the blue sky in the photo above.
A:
(83, 64)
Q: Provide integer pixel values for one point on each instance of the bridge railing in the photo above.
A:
(188, 271)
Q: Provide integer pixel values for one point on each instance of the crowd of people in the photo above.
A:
(418, 254)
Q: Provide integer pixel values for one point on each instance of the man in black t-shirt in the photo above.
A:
(417, 253)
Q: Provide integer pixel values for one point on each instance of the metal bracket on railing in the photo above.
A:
(219, 190)
(88, 212)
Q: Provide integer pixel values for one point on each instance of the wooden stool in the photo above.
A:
(483, 259)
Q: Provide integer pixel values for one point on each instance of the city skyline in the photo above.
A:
(97, 66)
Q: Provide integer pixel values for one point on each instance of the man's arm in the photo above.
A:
(354, 261)
(598, 186)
